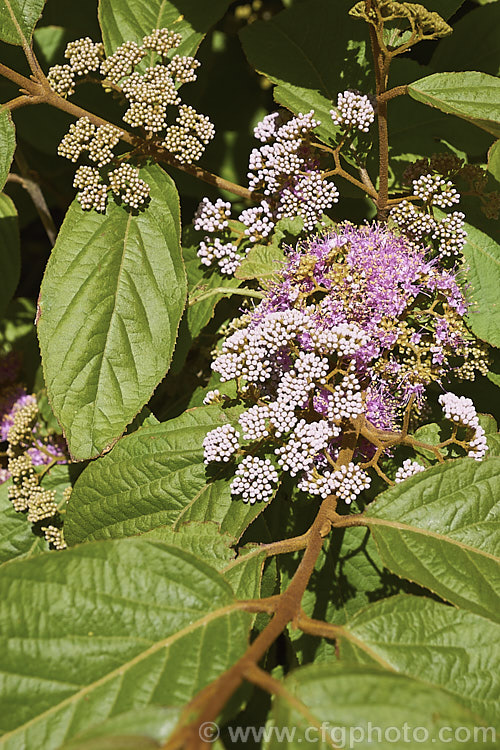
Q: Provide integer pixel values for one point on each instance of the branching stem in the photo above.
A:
(36, 90)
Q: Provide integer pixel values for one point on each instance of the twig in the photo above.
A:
(35, 193)
(392, 93)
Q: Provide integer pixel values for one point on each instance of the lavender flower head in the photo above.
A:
(358, 323)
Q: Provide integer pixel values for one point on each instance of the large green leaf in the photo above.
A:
(135, 18)
(107, 628)
(10, 257)
(110, 305)
(470, 95)
(443, 646)
(440, 529)
(337, 705)
(482, 255)
(18, 19)
(311, 52)
(7, 144)
(156, 477)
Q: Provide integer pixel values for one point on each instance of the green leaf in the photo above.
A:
(444, 646)
(10, 256)
(471, 95)
(201, 539)
(294, 49)
(136, 18)
(105, 628)
(156, 477)
(110, 305)
(7, 144)
(439, 529)
(482, 255)
(337, 705)
(263, 262)
(18, 19)
(482, 25)
(494, 160)
(245, 573)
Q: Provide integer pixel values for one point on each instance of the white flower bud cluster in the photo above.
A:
(412, 220)
(149, 96)
(287, 171)
(84, 55)
(93, 194)
(254, 479)
(408, 469)
(309, 198)
(311, 367)
(83, 135)
(304, 443)
(258, 220)
(212, 397)
(461, 410)
(77, 139)
(102, 144)
(41, 504)
(162, 41)
(253, 422)
(347, 482)
(55, 537)
(267, 128)
(351, 482)
(434, 189)
(450, 234)
(61, 79)
(220, 444)
(126, 183)
(282, 413)
(318, 484)
(122, 62)
(182, 144)
(346, 401)
(182, 68)
(226, 255)
(24, 421)
(294, 390)
(344, 339)
(353, 111)
(212, 217)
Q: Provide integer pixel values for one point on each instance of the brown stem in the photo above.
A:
(380, 60)
(207, 705)
(392, 93)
